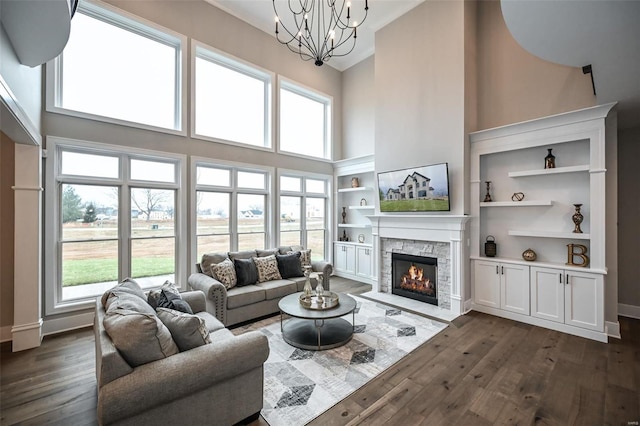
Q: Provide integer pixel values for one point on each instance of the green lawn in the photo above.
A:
(90, 271)
(414, 205)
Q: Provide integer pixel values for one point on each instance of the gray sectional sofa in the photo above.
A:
(218, 382)
(250, 301)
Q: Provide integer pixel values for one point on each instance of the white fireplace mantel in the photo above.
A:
(439, 228)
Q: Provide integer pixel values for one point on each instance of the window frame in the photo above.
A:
(52, 278)
(233, 63)
(234, 190)
(316, 95)
(137, 25)
(304, 194)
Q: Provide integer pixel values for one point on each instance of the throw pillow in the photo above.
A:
(246, 272)
(174, 301)
(225, 272)
(289, 265)
(128, 285)
(154, 295)
(267, 268)
(209, 259)
(140, 338)
(305, 257)
(187, 330)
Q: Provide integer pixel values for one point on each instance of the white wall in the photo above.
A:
(420, 99)
(358, 110)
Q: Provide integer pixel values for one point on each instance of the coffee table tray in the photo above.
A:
(329, 301)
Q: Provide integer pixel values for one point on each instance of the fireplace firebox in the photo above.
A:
(415, 277)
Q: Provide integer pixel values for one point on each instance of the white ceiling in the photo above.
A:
(603, 33)
(259, 13)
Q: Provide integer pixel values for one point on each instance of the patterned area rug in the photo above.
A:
(300, 385)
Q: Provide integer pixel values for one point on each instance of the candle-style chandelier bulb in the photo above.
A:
(318, 29)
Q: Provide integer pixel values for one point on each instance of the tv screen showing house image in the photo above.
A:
(417, 189)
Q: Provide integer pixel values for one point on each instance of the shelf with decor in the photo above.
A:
(558, 164)
(517, 203)
(355, 199)
(553, 171)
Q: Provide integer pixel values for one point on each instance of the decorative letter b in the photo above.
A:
(578, 250)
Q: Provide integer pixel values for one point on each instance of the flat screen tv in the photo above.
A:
(416, 189)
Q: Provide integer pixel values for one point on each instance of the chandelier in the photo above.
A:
(319, 29)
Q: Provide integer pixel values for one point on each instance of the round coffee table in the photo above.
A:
(316, 330)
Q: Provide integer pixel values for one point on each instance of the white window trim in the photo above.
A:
(269, 218)
(304, 194)
(51, 278)
(138, 25)
(316, 95)
(245, 67)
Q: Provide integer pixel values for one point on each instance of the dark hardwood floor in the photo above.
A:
(481, 370)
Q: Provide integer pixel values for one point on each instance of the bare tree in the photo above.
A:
(147, 200)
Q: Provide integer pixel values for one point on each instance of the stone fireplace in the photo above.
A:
(437, 238)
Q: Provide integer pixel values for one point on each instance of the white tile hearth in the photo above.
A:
(411, 305)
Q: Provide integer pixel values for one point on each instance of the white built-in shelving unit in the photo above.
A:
(354, 258)
(550, 291)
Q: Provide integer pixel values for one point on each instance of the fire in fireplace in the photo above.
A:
(415, 277)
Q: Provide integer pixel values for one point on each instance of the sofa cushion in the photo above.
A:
(122, 300)
(248, 254)
(209, 259)
(242, 296)
(267, 268)
(128, 285)
(246, 272)
(212, 323)
(225, 272)
(289, 265)
(305, 257)
(278, 288)
(139, 337)
(268, 252)
(188, 331)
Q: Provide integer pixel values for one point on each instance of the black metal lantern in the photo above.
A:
(490, 247)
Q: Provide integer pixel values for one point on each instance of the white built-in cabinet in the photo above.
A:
(354, 257)
(548, 292)
(502, 286)
(567, 297)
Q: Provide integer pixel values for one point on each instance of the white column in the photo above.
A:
(27, 319)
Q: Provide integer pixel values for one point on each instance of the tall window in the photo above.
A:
(303, 213)
(118, 68)
(305, 121)
(113, 215)
(232, 99)
(231, 208)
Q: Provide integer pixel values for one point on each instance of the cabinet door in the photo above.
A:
(486, 283)
(340, 257)
(547, 294)
(514, 288)
(584, 300)
(363, 262)
(350, 263)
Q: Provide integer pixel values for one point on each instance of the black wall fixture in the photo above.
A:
(587, 70)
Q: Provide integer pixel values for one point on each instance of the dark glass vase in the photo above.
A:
(550, 160)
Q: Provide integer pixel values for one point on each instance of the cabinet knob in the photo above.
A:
(497, 269)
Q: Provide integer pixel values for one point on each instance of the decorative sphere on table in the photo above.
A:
(529, 255)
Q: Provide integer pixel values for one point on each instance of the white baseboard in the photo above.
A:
(67, 323)
(612, 329)
(630, 311)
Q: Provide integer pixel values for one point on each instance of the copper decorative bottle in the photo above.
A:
(577, 219)
(550, 160)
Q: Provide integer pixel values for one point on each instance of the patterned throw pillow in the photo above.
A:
(267, 268)
(305, 257)
(188, 331)
(225, 272)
